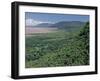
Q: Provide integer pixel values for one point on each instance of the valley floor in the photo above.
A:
(55, 49)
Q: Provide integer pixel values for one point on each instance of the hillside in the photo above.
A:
(58, 49)
(66, 25)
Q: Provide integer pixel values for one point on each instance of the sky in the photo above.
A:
(32, 19)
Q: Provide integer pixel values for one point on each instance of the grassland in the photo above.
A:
(60, 48)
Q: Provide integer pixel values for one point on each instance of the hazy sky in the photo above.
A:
(33, 19)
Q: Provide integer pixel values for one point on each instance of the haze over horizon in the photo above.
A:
(33, 19)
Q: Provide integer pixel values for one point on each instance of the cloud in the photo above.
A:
(32, 22)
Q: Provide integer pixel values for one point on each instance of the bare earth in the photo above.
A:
(31, 30)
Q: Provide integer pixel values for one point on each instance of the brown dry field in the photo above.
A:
(30, 30)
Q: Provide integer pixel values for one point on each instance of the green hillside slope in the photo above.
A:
(59, 48)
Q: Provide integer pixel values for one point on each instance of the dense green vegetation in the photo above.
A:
(59, 48)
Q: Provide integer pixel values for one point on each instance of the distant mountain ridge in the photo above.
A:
(66, 25)
(44, 25)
